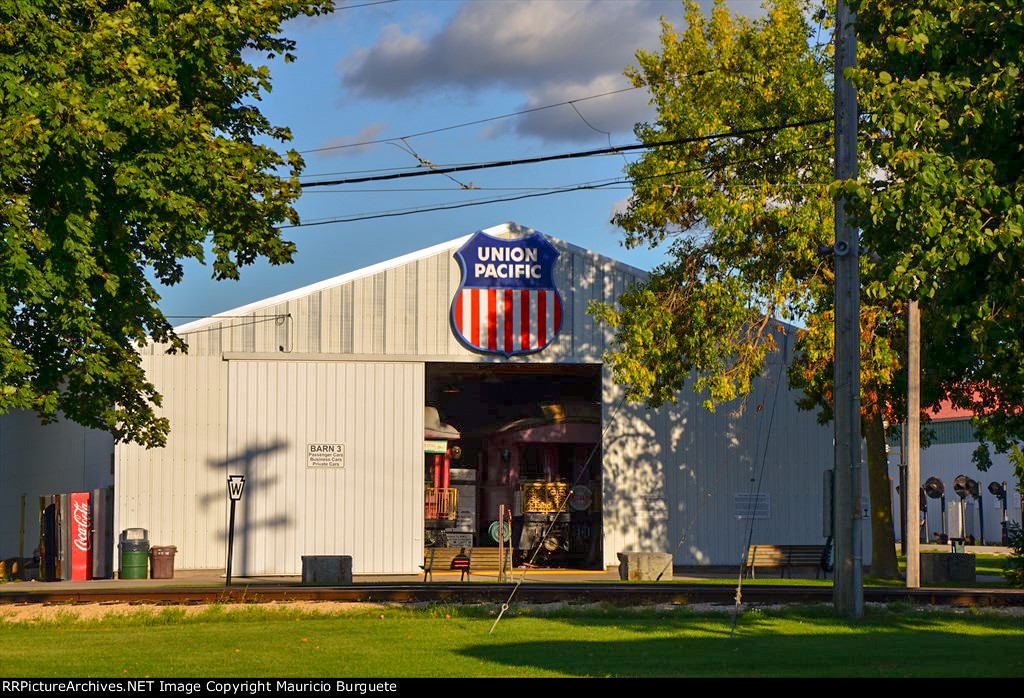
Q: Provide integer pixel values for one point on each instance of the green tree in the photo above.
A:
(938, 201)
(944, 213)
(748, 218)
(132, 142)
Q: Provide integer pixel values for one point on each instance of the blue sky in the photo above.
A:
(391, 69)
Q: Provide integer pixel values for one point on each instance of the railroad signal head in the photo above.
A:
(934, 488)
(963, 486)
(973, 488)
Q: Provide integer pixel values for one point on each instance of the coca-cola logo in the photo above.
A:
(80, 514)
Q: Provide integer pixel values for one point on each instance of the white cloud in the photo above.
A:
(344, 144)
(620, 206)
(549, 50)
(615, 114)
(514, 44)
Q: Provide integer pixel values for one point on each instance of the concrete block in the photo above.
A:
(326, 570)
(948, 567)
(636, 566)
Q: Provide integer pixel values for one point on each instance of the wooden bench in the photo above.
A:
(785, 556)
(444, 559)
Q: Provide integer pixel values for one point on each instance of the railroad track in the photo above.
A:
(632, 594)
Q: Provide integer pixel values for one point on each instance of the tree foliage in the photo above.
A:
(945, 211)
(132, 142)
(744, 217)
(748, 220)
(938, 201)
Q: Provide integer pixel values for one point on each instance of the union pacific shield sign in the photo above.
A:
(507, 302)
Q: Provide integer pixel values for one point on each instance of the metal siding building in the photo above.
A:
(344, 361)
(39, 460)
(948, 456)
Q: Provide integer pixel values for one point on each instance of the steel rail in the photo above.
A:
(631, 594)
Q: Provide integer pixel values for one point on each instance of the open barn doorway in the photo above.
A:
(523, 436)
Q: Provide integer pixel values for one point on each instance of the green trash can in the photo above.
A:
(134, 556)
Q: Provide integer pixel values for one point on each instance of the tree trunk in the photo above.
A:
(883, 539)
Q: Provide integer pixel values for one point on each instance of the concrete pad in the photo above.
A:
(948, 567)
(326, 570)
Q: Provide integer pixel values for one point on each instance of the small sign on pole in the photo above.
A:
(236, 483)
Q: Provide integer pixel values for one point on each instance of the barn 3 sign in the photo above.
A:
(507, 302)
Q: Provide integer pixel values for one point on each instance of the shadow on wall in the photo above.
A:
(250, 463)
(670, 473)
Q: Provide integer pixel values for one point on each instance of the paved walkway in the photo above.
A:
(206, 578)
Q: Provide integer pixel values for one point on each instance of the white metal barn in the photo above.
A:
(948, 456)
(352, 361)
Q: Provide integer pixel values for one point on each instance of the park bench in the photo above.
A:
(445, 559)
(785, 557)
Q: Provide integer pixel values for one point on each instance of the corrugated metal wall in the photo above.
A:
(371, 509)
(39, 460)
(947, 461)
(404, 311)
(672, 475)
(178, 492)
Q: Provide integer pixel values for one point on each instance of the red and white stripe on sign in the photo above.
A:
(508, 320)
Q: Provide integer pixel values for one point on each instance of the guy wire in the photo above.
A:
(554, 519)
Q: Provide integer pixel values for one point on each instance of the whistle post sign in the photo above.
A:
(235, 485)
(507, 302)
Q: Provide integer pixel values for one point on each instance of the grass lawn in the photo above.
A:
(266, 641)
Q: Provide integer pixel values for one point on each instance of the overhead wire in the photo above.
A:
(585, 469)
(395, 168)
(738, 133)
(571, 102)
(524, 188)
(465, 124)
(760, 480)
(598, 184)
(425, 189)
(257, 320)
(365, 4)
(608, 134)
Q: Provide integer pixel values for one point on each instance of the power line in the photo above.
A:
(258, 319)
(222, 317)
(583, 186)
(377, 169)
(425, 189)
(569, 156)
(760, 479)
(735, 185)
(571, 102)
(467, 123)
(597, 184)
(396, 168)
(365, 4)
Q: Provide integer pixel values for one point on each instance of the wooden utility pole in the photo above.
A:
(912, 539)
(848, 592)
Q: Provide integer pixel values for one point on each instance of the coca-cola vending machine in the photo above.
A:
(81, 536)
